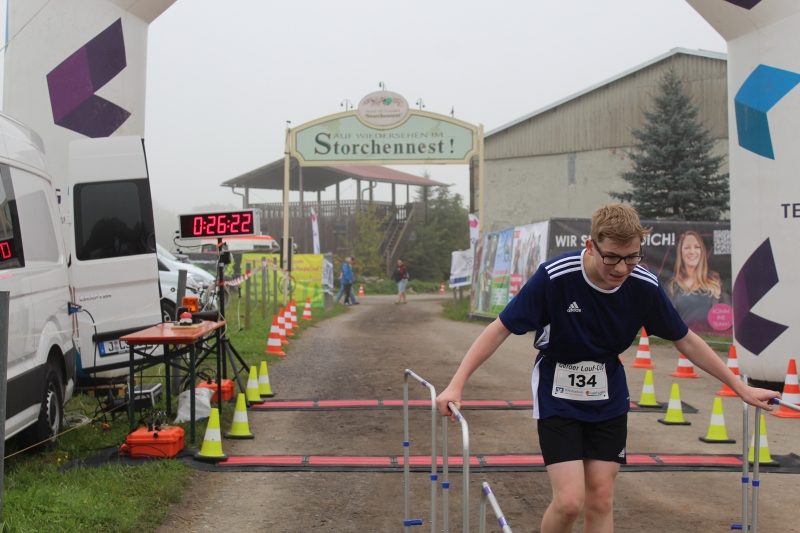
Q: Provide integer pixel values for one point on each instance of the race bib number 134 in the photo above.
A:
(584, 382)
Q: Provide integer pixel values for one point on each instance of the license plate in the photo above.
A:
(112, 347)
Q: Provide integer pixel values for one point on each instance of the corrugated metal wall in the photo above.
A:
(605, 117)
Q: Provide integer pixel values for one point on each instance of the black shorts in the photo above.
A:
(566, 439)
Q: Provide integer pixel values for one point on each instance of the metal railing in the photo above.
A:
(408, 521)
(464, 470)
(488, 495)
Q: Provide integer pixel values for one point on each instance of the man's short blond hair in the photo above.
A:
(618, 222)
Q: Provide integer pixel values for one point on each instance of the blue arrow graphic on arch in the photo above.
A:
(759, 93)
(756, 278)
(746, 4)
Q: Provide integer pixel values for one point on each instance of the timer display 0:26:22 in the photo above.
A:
(222, 224)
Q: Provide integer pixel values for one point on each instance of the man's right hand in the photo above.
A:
(446, 397)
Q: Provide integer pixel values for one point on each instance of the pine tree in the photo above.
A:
(366, 259)
(446, 229)
(675, 176)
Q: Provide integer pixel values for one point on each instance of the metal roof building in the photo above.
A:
(564, 159)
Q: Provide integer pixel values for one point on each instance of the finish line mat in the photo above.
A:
(469, 405)
(786, 464)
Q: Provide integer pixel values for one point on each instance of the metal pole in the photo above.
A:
(481, 196)
(465, 467)
(175, 385)
(445, 482)
(406, 445)
(756, 482)
(264, 288)
(275, 285)
(745, 464)
(4, 303)
(487, 494)
(455, 302)
(287, 163)
(247, 295)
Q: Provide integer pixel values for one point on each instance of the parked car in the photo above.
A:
(199, 282)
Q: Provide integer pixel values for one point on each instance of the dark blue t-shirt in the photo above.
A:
(576, 321)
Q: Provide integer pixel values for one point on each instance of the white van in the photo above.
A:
(97, 250)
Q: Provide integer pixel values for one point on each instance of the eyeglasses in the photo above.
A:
(615, 259)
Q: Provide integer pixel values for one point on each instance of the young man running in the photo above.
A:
(586, 308)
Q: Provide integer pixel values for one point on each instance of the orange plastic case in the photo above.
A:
(142, 444)
(227, 389)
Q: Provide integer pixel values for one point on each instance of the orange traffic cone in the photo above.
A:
(287, 321)
(791, 393)
(643, 354)
(441, 289)
(307, 310)
(293, 309)
(282, 325)
(274, 342)
(685, 368)
(360, 289)
(733, 365)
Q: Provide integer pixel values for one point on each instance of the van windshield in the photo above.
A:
(113, 219)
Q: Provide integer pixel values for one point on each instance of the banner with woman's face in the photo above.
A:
(691, 259)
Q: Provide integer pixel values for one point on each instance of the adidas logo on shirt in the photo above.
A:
(573, 308)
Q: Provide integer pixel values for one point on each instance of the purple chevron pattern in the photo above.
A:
(74, 82)
(746, 4)
(756, 278)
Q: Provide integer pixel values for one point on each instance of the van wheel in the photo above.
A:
(168, 311)
(51, 415)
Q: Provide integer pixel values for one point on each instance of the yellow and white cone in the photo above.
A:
(717, 434)
(264, 387)
(251, 390)
(674, 409)
(211, 451)
(764, 457)
(648, 398)
(240, 427)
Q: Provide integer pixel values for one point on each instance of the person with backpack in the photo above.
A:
(400, 277)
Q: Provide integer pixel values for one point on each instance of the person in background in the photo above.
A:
(341, 292)
(347, 280)
(400, 276)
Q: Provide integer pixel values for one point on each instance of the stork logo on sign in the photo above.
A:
(759, 93)
(74, 82)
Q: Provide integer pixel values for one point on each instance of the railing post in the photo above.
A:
(465, 465)
(406, 444)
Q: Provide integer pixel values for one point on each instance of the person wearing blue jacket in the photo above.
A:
(347, 280)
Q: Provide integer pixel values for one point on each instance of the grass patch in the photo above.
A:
(117, 499)
(461, 311)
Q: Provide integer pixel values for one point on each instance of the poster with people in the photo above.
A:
(501, 273)
(530, 244)
(474, 290)
(483, 295)
(691, 259)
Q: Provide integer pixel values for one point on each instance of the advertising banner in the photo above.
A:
(483, 281)
(461, 268)
(475, 289)
(530, 245)
(763, 104)
(691, 259)
(501, 273)
(315, 230)
(473, 229)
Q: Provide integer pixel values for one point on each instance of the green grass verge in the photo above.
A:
(461, 311)
(38, 497)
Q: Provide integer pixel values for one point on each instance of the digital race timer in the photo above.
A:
(229, 224)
